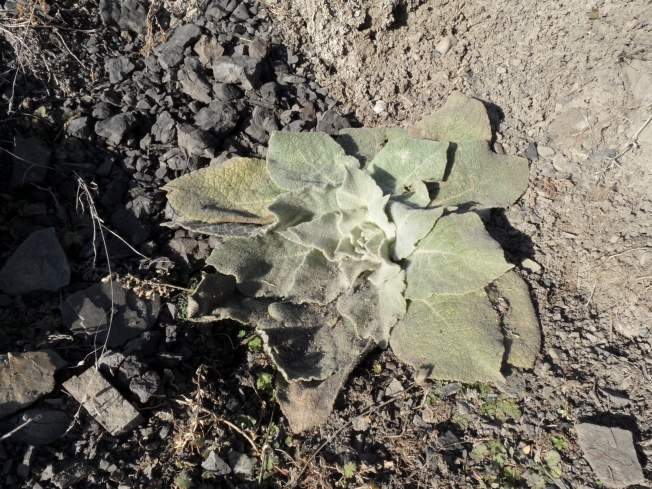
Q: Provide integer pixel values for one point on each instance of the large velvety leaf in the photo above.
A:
(309, 342)
(320, 233)
(480, 176)
(317, 280)
(458, 336)
(364, 143)
(295, 160)
(404, 162)
(375, 310)
(239, 190)
(262, 266)
(308, 404)
(511, 295)
(223, 230)
(212, 301)
(358, 190)
(412, 225)
(457, 256)
(297, 206)
(460, 119)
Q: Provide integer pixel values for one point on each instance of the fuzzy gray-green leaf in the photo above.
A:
(405, 161)
(458, 336)
(412, 225)
(480, 176)
(295, 160)
(317, 280)
(364, 143)
(460, 119)
(262, 266)
(309, 342)
(239, 190)
(523, 342)
(457, 256)
(297, 206)
(375, 310)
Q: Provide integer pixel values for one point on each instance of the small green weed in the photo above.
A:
(461, 420)
(183, 480)
(500, 409)
(559, 443)
(377, 368)
(265, 385)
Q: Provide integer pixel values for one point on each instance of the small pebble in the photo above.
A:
(446, 44)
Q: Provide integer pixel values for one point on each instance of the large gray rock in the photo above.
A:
(114, 128)
(88, 313)
(215, 464)
(219, 117)
(45, 426)
(611, 454)
(129, 227)
(164, 128)
(70, 473)
(126, 14)
(208, 49)
(146, 386)
(39, 263)
(170, 57)
(193, 80)
(226, 91)
(332, 122)
(103, 402)
(171, 54)
(79, 128)
(118, 68)
(196, 141)
(31, 162)
(25, 378)
(238, 69)
(244, 467)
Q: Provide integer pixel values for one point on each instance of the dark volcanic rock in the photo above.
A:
(226, 92)
(196, 141)
(220, 117)
(126, 14)
(193, 80)
(331, 123)
(163, 129)
(129, 227)
(31, 162)
(87, 313)
(46, 426)
(79, 127)
(238, 69)
(114, 128)
(39, 263)
(146, 386)
(170, 57)
(118, 68)
(208, 50)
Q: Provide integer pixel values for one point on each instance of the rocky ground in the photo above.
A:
(106, 103)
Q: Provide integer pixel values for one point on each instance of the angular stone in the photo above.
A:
(226, 91)
(31, 162)
(611, 454)
(114, 128)
(215, 464)
(146, 386)
(164, 128)
(259, 48)
(244, 467)
(184, 35)
(208, 50)
(45, 426)
(331, 123)
(238, 69)
(103, 402)
(129, 227)
(220, 117)
(70, 473)
(39, 263)
(88, 312)
(170, 57)
(126, 14)
(196, 141)
(118, 68)
(79, 128)
(102, 111)
(193, 80)
(25, 378)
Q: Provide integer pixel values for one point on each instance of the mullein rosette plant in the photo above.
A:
(370, 239)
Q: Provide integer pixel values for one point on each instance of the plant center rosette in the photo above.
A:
(372, 239)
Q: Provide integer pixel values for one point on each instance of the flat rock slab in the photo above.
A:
(88, 312)
(71, 473)
(45, 426)
(611, 454)
(103, 402)
(25, 378)
(31, 162)
(39, 263)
